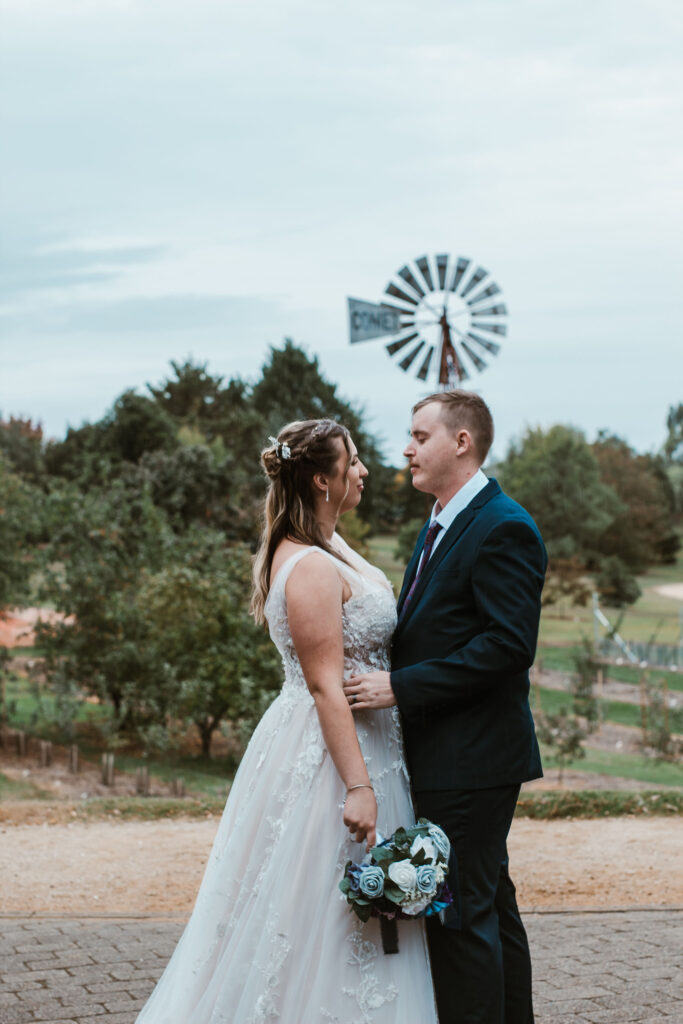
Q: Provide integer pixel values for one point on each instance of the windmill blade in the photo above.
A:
(493, 328)
(441, 267)
(397, 309)
(409, 278)
(490, 346)
(500, 310)
(477, 360)
(424, 369)
(392, 290)
(493, 289)
(477, 276)
(423, 266)
(410, 358)
(460, 271)
(400, 343)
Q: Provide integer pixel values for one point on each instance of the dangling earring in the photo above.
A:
(327, 494)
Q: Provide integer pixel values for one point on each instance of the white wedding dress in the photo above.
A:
(271, 937)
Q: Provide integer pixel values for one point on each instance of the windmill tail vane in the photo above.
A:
(439, 304)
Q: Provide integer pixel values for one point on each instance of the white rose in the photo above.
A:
(440, 840)
(425, 844)
(416, 906)
(404, 875)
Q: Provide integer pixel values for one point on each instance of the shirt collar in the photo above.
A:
(460, 500)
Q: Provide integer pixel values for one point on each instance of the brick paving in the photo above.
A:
(590, 968)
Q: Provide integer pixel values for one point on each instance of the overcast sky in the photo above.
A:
(207, 178)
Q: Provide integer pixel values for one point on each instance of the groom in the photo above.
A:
(468, 619)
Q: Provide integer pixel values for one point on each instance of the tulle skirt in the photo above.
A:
(271, 937)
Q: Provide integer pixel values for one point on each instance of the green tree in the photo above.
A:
(616, 583)
(644, 531)
(556, 477)
(107, 539)
(216, 663)
(21, 445)
(563, 735)
(20, 531)
(93, 453)
(673, 446)
(584, 702)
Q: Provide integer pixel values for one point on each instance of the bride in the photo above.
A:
(271, 937)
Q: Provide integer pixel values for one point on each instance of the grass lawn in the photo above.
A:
(552, 701)
(19, 789)
(628, 766)
(27, 705)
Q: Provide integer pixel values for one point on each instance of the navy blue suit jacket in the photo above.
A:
(462, 651)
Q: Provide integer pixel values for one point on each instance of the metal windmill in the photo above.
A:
(439, 304)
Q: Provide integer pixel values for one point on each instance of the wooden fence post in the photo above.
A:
(177, 787)
(601, 675)
(22, 744)
(73, 758)
(142, 781)
(45, 753)
(643, 707)
(108, 769)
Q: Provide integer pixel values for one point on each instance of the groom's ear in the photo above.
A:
(464, 445)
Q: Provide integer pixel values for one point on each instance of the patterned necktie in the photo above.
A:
(426, 552)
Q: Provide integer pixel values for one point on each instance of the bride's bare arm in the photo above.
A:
(314, 610)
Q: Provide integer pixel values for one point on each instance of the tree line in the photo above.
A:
(139, 528)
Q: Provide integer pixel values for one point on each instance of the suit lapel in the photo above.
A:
(453, 533)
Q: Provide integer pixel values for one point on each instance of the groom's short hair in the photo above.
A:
(463, 410)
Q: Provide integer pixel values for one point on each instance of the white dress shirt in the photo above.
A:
(455, 506)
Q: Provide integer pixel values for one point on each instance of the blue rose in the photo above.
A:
(372, 882)
(426, 879)
(353, 873)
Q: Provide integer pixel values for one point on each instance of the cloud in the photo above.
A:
(51, 266)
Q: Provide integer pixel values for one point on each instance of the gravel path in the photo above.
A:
(156, 866)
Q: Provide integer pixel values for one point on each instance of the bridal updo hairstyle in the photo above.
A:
(302, 449)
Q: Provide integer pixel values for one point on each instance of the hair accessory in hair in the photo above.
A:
(283, 450)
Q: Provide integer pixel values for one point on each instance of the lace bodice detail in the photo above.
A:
(368, 616)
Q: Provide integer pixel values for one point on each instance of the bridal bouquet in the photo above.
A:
(401, 877)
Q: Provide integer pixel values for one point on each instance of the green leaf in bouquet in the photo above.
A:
(395, 895)
(363, 911)
(345, 885)
(420, 858)
(400, 837)
(381, 854)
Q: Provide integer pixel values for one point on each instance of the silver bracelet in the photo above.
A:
(361, 785)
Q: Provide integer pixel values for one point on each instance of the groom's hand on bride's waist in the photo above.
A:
(371, 690)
